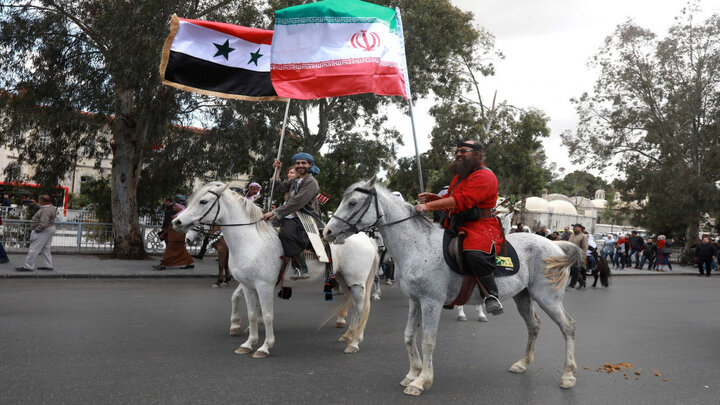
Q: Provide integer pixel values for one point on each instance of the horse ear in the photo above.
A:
(371, 182)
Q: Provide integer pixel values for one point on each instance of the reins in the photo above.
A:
(371, 195)
(216, 203)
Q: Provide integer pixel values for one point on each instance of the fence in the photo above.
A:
(79, 237)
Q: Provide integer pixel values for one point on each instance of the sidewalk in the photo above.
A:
(99, 266)
(92, 266)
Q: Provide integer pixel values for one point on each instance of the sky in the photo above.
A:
(547, 44)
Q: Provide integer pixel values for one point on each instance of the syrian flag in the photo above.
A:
(218, 59)
(338, 47)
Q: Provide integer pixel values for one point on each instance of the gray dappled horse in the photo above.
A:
(421, 272)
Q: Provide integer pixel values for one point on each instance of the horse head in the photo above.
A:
(358, 210)
(203, 207)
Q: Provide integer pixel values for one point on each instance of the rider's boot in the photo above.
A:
(303, 266)
(491, 301)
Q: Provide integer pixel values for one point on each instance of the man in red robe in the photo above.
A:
(471, 197)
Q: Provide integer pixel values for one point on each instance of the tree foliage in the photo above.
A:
(578, 183)
(654, 114)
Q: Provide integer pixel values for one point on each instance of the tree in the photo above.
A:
(578, 183)
(655, 109)
(79, 67)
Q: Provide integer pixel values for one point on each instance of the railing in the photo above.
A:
(79, 237)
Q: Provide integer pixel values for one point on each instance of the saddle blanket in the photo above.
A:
(507, 262)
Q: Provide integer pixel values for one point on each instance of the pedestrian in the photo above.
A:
(3, 255)
(253, 193)
(637, 244)
(609, 249)
(520, 227)
(176, 253)
(663, 254)
(5, 201)
(566, 233)
(42, 225)
(621, 246)
(705, 253)
(576, 272)
(649, 253)
(554, 236)
(542, 232)
(471, 198)
(628, 258)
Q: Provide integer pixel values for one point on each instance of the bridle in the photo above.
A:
(364, 208)
(216, 205)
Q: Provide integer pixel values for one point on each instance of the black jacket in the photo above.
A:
(706, 250)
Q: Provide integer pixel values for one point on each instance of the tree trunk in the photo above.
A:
(128, 139)
(691, 238)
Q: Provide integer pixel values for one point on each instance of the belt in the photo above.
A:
(485, 213)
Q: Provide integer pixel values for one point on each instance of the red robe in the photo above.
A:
(479, 189)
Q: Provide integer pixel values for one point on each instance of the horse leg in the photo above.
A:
(265, 297)
(527, 310)
(356, 329)
(251, 301)
(430, 312)
(411, 334)
(376, 288)
(235, 317)
(552, 305)
(340, 321)
(482, 316)
(461, 314)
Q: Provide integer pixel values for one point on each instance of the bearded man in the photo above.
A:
(469, 202)
(302, 192)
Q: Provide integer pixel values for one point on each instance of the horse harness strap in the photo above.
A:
(372, 195)
(216, 203)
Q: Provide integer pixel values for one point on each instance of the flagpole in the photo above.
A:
(275, 172)
(417, 154)
(408, 95)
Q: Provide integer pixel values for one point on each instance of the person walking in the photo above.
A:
(649, 253)
(637, 245)
(41, 236)
(576, 272)
(705, 253)
(176, 253)
(663, 254)
(621, 249)
(608, 249)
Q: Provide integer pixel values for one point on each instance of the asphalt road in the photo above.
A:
(72, 341)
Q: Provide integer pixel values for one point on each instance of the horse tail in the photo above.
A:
(365, 315)
(556, 267)
(342, 306)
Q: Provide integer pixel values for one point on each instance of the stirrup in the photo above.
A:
(496, 310)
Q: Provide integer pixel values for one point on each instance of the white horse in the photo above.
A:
(423, 275)
(254, 262)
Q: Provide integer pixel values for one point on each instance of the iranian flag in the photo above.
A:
(218, 59)
(336, 48)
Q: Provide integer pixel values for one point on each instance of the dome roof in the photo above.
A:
(599, 203)
(536, 204)
(555, 196)
(562, 207)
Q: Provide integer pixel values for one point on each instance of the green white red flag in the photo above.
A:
(338, 47)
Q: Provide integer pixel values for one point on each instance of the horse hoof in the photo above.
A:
(376, 298)
(482, 318)
(412, 390)
(340, 324)
(237, 331)
(517, 368)
(259, 355)
(462, 318)
(243, 350)
(351, 349)
(342, 339)
(406, 381)
(567, 382)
